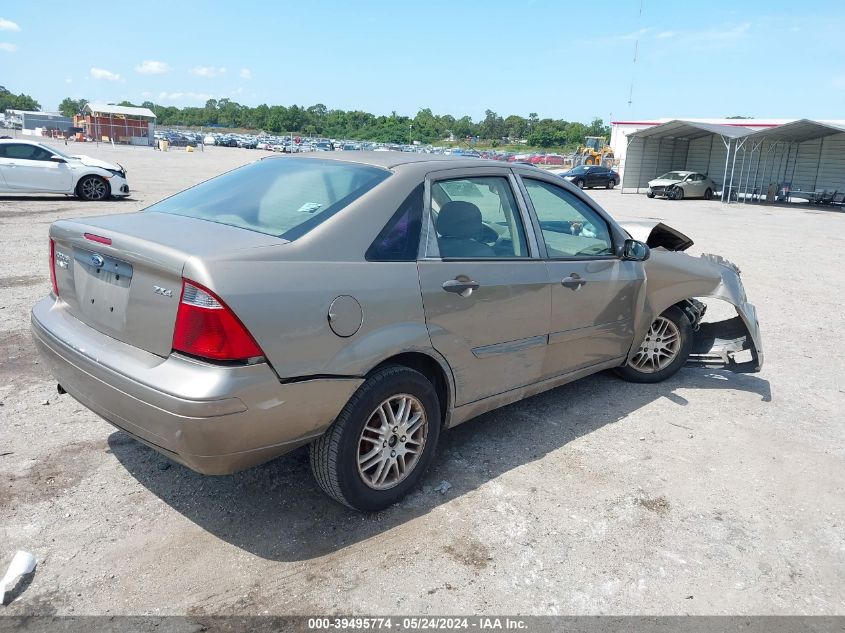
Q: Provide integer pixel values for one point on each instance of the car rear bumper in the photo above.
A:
(214, 419)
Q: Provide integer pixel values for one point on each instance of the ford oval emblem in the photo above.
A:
(97, 260)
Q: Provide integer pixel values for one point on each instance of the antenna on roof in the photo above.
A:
(634, 63)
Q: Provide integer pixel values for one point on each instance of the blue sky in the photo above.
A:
(710, 58)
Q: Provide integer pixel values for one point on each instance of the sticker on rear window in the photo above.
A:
(310, 207)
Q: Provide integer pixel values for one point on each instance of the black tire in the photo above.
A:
(708, 194)
(93, 188)
(677, 193)
(611, 183)
(649, 195)
(334, 456)
(579, 183)
(679, 318)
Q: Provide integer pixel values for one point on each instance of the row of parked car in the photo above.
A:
(294, 144)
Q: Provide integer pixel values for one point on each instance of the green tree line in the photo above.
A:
(317, 119)
(9, 101)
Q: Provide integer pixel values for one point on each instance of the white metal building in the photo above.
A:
(743, 159)
(620, 130)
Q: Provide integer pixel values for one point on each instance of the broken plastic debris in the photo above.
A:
(22, 564)
(443, 488)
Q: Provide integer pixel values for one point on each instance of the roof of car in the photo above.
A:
(394, 159)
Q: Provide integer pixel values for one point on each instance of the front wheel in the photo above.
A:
(93, 188)
(381, 443)
(664, 350)
(579, 183)
(677, 193)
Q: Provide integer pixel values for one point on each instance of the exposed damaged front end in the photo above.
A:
(727, 344)
(675, 278)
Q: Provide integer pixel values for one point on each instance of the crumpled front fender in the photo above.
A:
(673, 278)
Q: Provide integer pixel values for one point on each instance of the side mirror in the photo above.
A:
(635, 251)
(57, 159)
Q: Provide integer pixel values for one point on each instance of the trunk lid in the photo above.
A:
(128, 285)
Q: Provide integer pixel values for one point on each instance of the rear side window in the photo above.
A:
(23, 151)
(284, 197)
(399, 240)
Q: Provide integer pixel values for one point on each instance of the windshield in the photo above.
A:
(284, 197)
(674, 175)
(57, 152)
(578, 170)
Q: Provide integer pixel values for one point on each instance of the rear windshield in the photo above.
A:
(284, 197)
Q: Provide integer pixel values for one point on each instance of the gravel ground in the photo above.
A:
(711, 493)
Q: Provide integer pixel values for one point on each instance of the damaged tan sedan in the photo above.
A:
(363, 305)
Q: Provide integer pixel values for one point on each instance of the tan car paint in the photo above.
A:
(523, 333)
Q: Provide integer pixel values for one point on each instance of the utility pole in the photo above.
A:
(410, 127)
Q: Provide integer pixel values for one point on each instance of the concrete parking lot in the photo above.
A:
(711, 493)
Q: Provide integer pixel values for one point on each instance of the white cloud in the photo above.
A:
(150, 67)
(8, 47)
(8, 25)
(246, 73)
(68, 80)
(721, 34)
(207, 71)
(102, 73)
(633, 36)
(665, 35)
(184, 96)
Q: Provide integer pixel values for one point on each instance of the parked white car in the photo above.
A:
(677, 185)
(31, 167)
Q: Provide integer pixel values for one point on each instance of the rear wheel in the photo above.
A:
(611, 183)
(93, 188)
(708, 194)
(381, 443)
(664, 350)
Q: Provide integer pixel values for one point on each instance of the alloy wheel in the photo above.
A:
(659, 348)
(93, 189)
(392, 441)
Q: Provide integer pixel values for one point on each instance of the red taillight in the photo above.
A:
(206, 327)
(53, 267)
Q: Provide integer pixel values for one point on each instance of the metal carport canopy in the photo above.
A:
(802, 168)
(799, 131)
(643, 164)
(689, 130)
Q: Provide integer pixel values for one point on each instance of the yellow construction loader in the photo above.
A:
(594, 151)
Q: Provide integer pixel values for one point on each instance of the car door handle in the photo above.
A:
(573, 282)
(461, 285)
